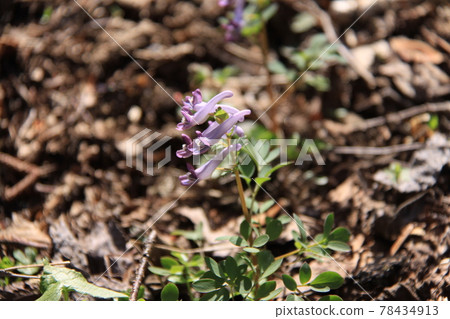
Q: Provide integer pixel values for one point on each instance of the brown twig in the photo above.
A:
(402, 115)
(375, 151)
(141, 270)
(33, 174)
(383, 150)
(198, 250)
(6, 272)
(59, 263)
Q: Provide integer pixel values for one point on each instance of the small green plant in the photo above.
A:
(20, 258)
(170, 293)
(57, 282)
(5, 263)
(249, 275)
(313, 59)
(179, 269)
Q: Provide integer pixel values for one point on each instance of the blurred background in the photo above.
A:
(80, 78)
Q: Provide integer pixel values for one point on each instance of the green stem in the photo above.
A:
(297, 251)
(254, 193)
(242, 196)
(294, 252)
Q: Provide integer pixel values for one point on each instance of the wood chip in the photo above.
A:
(406, 231)
(25, 232)
(415, 51)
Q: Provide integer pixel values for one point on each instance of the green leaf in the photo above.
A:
(231, 268)
(261, 240)
(244, 285)
(247, 170)
(261, 180)
(220, 115)
(293, 297)
(266, 205)
(269, 12)
(194, 235)
(330, 298)
(338, 246)
(284, 219)
(433, 123)
(328, 279)
(170, 293)
(303, 22)
(301, 228)
(339, 234)
(265, 289)
(27, 258)
(274, 229)
(160, 271)
(6, 262)
(220, 238)
(319, 251)
(205, 285)
(177, 269)
(272, 268)
(238, 241)
(319, 82)
(253, 27)
(52, 293)
(277, 67)
(260, 132)
(289, 282)
(245, 229)
(273, 294)
(328, 225)
(265, 258)
(21, 257)
(73, 280)
(31, 253)
(168, 262)
(214, 266)
(273, 154)
(251, 250)
(196, 261)
(320, 289)
(275, 168)
(221, 294)
(251, 153)
(305, 273)
(319, 238)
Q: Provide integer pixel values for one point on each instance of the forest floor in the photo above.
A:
(70, 98)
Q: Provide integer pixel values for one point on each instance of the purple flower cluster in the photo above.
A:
(233, 27)
(196, 112)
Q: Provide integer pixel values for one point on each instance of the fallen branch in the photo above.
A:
(383, 150)
(6, 272)
(33, 174)
(404, 114)
(141, 270)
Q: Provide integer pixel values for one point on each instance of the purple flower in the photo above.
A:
(196, 112)
(224, 3)
(205, 171)
(233, 27)
(211, 135)
(214, 132)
